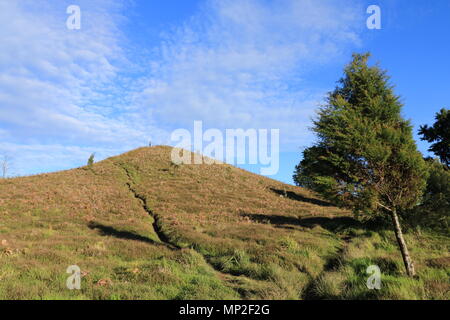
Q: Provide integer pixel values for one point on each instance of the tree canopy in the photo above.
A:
(439, 136)
(365, 157)
(434, 209)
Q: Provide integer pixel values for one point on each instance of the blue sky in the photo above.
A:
(137, 70)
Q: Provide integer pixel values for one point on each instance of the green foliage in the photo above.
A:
(91, 160)
(348, 279)
(434, 211)
(365, 158)
(439, 133)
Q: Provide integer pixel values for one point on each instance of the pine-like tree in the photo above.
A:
(365, 158)
(91, 159)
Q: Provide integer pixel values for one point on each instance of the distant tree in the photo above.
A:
(439, 135)
(5, 164)
(91, 160)
(365, 158)
(434, 209)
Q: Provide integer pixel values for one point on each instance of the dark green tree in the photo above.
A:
(365, 158)
(439, 136)
(91, 159)
(434, 209)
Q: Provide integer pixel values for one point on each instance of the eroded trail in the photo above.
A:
(156, 225)
(164, 239)
(161, 237)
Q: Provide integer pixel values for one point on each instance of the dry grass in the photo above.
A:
(220, 233)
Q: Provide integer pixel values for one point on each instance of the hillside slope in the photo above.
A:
(140, 227)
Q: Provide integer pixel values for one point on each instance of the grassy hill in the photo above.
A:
(140, 227)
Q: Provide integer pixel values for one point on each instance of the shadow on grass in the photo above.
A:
(331, 224)
(295, 196)
(126, 235)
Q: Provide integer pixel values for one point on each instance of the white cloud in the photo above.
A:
(61, 87)
(53, 80)
(241, 63)
(237, 63)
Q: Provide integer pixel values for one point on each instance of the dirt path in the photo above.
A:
(156, 225)
(164, 239)
(161, 237)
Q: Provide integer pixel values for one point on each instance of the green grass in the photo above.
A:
(140, 227)
(347, 279)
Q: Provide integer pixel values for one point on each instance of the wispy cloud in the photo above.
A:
(242, 63)
(63, 87)
(236, 63)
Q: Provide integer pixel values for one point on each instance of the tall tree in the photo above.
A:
(365, 157)
(439, 135)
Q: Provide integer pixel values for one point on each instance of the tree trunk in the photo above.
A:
(402, 244)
